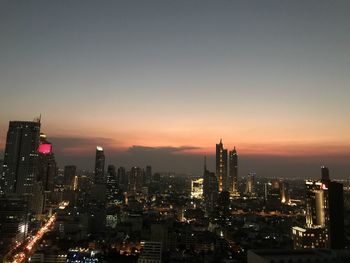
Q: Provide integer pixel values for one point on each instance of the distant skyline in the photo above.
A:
(167, 79)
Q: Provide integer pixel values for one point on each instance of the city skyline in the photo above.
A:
(169, 79)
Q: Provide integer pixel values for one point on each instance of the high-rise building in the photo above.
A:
(148, 175)
(221, 166)
(324, 173)
(99, 166)
(135, 179)
(233, 164)
(70, 172)
(13, 221)
(112, 183)
(210, 188)
(21, 157)
(47, 164)
(336, 215)
(151, 252)
(47, 170)
(250, 184)
(197, 188)
(325, 211)
(123, 179)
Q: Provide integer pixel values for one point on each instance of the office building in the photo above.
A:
(112, 183)
(221, 166)
(197, 188)
(21, 157)
(315, 237)
(151, 252)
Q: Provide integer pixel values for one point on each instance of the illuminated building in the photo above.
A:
(99, 166)
(315, 237)
(83, 256)
(112, 183)
(197, 188)
(325, 210)
(249, 188)
(316, 204)
(13, 226)
(21, 157)
(151, 252)
(233, 164)
(221, 166)
(284, 188)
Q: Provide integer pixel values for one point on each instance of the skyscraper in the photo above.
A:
(123, 179)
(21, 157)
(336, 215)
(135, 179)
(112, 183)
(221, 166)
(250, 183)
(325, 211)
(210, 188)
(47, 164)
(99, 166)
(69, 174)
(324, 173)
(233, 164)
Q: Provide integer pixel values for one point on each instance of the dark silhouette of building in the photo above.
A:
(210, 188)
(135, 179)
(21, 157)
(148, 175)
(233, 165)
(324, 173)
(99, 166)
(69, 174)
(336, 215)
(123, 179)
(221, 166)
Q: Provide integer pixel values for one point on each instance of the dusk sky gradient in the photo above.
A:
(161, 82)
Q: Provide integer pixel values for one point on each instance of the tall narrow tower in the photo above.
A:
(233, 163)
(99, 166)
(221, 166)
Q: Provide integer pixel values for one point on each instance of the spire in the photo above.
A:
(205, 163)
(220, 141)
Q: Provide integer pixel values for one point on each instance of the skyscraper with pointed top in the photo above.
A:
(233, 178)
(221, 166)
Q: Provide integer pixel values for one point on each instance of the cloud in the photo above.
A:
(137, 149)
(74, 145)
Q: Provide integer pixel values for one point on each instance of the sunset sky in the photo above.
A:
(167, 79)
